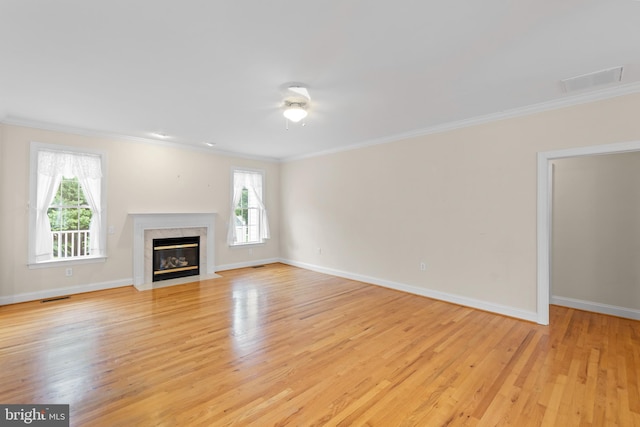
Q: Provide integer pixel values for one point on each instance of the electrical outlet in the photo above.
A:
(423, 266)
(69, 272)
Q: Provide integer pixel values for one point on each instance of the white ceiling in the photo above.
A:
(214, 71)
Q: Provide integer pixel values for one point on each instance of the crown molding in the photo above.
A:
(567, 101)
(14, 121)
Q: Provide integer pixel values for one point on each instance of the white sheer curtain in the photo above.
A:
(52, 166)
(252, 181)
(89, 172)
(238, 185)
(48, 181)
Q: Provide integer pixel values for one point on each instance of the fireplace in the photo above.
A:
(150, 226)
(176, 257)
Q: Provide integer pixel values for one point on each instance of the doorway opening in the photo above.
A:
(544, 214)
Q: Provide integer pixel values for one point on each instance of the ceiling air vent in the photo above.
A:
(586, 81)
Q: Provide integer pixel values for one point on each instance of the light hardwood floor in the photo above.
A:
(280, 345)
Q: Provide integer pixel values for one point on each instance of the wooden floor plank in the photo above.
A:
(286, 346)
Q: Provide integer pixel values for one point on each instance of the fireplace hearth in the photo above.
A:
(176, 257)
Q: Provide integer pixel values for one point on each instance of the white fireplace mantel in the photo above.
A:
(157, 221)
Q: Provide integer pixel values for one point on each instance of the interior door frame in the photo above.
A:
(545, 210)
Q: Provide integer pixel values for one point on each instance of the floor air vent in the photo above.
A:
(54, 299)
(258, 266)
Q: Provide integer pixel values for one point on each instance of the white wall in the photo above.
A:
(5, 233)
(462, 201)
(596, 230)
(141, 177)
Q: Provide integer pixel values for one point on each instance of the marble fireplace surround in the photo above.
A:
(149, 226)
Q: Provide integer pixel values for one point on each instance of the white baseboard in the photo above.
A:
(442, 296)
(613, 310)
(52, 293)
(429, 293)
(246, 264)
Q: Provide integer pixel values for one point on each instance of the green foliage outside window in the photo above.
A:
(69, 212)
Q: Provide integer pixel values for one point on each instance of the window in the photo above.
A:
(70, 217)
(67, 212)
(248, 221)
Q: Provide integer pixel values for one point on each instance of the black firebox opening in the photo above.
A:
(176, 257)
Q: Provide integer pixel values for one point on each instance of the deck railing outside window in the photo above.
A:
(70, 244)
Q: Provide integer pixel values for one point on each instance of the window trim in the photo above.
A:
(34, 148)
(235, 169)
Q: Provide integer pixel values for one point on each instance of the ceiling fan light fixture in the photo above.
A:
(295, 112)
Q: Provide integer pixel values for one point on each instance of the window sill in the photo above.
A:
(244, 245)
(66, 262)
